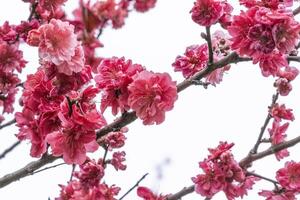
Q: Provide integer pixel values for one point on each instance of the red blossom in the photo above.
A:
(289, 176)
(208, 12)
(147, 194)
(194, 60)
(144, 5)
(281, 112)
(284, 87)
(277, 133)
(114, 76)
(151, 95)
(118, 159)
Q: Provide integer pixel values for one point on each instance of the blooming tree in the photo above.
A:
(64, 102)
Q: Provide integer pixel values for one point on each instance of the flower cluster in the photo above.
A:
(195, 58)
(222, 173)
(277, 131)
(11, 62)
(66, 122)
(129, 86)
(114, 76)
(265, 35)
(88, 185)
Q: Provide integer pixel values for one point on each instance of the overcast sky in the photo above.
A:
(233, 111)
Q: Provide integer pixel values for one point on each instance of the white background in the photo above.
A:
(233, 111)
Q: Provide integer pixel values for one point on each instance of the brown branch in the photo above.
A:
(27, 170)
(209, 44)
(296, 11)
(262, 177)
(135, 185)
(272, 150)
(263, 128)
(8, 123)
(293, 58)
(181, 193)
(9, 149)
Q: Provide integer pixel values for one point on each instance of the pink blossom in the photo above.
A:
(284, 87)
(29, 129)
(58, 45)
(278, 136)
(207, 12)
(281, 112)
(151, 95)
(194, 60)
(277, 195)
(11, 57)
(222, 173)
(57, 42)
(90, 173)
(265, 35)
(118, 159)
(270, 64)
(273, 4)
(25, 26)
(114, 76)
(8, 32)
(289, 176)
(102, 191)
(115, 139)
(144, 5)
(289, 73)
(147, 194)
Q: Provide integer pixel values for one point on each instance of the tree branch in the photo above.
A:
(8, 123)
(27, 170)
(296, 11)
(135, 185)
(263, 128)
(181, 193)
(9, 149)
(209, 44)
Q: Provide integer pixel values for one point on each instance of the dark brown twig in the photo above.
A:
(135, 185)
(8, 123)
(9, 149)
(296, 11)
(209, 44)
(181, 193)
(263, 128)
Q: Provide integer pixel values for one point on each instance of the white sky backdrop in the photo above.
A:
(234, 111)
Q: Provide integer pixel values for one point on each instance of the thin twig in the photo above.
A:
(135, 185)
(72, 172)
(262, 177)
(9, 149)
(209, 44)
(263, 128)
(296, 11)
(8, 123)
(32, 12)
(46, 168)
